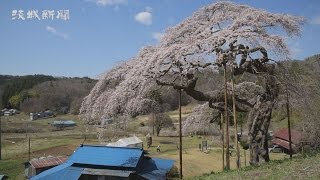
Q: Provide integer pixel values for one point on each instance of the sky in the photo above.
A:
(87, 37)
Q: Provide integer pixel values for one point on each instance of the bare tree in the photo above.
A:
(160, 121)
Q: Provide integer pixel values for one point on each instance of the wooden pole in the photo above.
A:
(29, 153)
(180, 135)
(0, 138)
(235, 120)
(222, 139)
(245, 158)
(153, 121)
(226, 117)
(289, 124)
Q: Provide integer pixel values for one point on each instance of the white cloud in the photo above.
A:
(115, 3)
(53, 31)
(149, 9)
(315, 20)
(144, 17)
(111, 2)
(157, 35)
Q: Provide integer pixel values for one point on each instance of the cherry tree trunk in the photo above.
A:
(259, 120)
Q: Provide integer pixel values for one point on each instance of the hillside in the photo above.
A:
(14, 85)
(301, 167)
(33, 93)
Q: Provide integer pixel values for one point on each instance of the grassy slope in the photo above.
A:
(300, 167)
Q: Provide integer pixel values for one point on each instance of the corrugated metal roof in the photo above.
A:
(68, 122)
(106, 156)
(107, 172)
(283, 143)
(63, 171)
(284, 134)
(124, 142)
(117, 144)
(48, 162)
(155, 168)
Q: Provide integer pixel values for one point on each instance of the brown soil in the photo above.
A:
(66, 150)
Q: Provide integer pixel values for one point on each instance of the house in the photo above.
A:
(14, 111)
(33, 116)
(105, 162)
(45, 114)
(281, 138)
(107, 121)
(41, 114)
(36, 166)
(127, 142)
(48, 114)
(7, 113)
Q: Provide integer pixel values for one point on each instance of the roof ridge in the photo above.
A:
(97, 145)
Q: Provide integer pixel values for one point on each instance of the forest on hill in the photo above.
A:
(34, 93)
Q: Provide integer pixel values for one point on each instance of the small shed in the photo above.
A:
(41, 114)
(48, 114)
(63, 124)
(7, 113)
(14, 111)
(33, 116)
(36, 166)
(107, 121)
(281, 138)
(127, 142)
(2, 111)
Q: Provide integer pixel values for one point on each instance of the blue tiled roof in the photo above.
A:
(106, 156)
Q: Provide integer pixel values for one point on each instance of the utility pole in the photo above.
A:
(180, 135)
(235, 120)
(29, 148)
(226, 117)
(0, 138)
(289, 124)
(153, 121)
(222, 139)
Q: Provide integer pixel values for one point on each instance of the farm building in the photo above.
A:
(63, 124)
(103, 162)
(281, 138)
(127, 142)
(36, 166)
(33, 116)
(45, 114)
(105, 122)
(8, 113)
